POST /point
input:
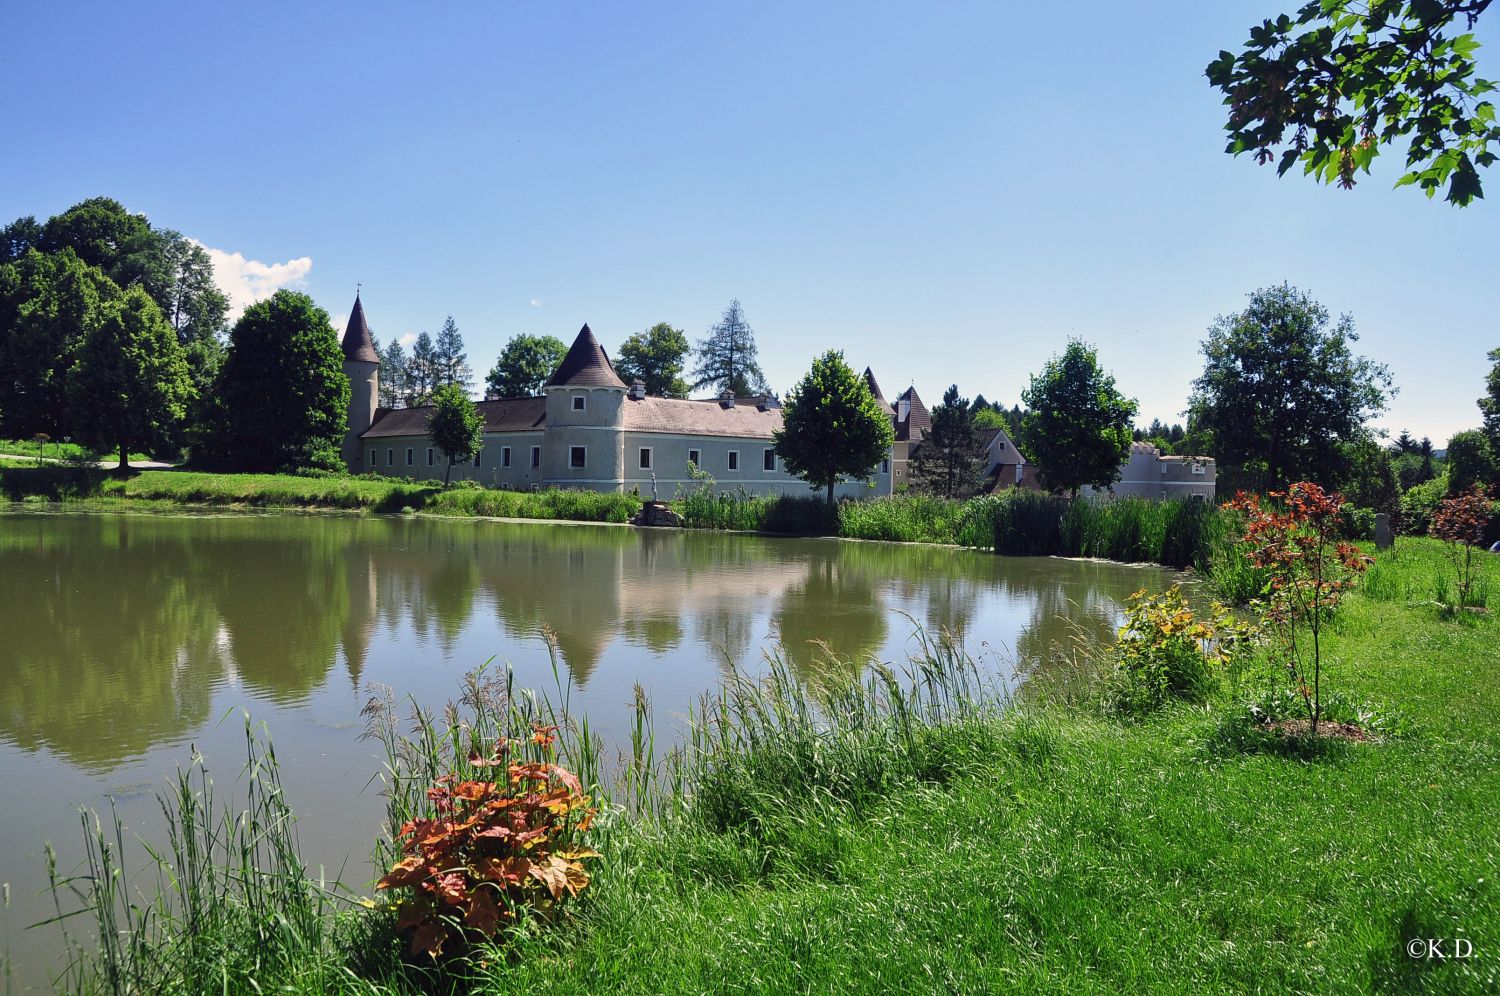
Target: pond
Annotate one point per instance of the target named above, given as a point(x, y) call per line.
point(127, 640)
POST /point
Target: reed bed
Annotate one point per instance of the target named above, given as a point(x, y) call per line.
point(225, 905)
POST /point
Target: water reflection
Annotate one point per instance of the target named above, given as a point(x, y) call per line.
point(118, 629)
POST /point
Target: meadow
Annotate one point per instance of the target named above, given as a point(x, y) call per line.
point(913, 830)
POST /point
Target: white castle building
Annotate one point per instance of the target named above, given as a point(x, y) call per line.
point(588, 430)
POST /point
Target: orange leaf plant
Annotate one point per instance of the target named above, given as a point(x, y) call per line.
point(491, 850)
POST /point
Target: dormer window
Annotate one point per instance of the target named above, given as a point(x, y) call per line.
point(578, 402)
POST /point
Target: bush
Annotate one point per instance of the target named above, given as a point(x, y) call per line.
point(1166, 652)
point(1420, 503)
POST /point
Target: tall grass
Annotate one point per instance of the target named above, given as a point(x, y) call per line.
point(578, 506)
point(226, 906)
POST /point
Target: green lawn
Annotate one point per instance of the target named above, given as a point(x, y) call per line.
point(59, 450)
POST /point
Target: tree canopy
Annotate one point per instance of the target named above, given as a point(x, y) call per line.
point(455, 425)
point(1471, 461)
point(524, 366)
point(1281, 390)
point(832, 426)
point(656, 357)
point(49, 304)
point(727, 356)
point(1078, 427)
point(284, 392)
point(1331, 84)
point(1489, 405)
point(949, 461)
point(129, 384)
point(393, 375)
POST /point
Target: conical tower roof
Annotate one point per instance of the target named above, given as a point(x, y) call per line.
point(585, 365)
point(875, 390)
point(358, 343)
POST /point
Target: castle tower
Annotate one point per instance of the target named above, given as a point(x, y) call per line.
point(584, 447)
point(362, 367)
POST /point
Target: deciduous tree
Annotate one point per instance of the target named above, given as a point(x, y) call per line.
point(1489, 405)
point(727, 356)
point(1281, 390)
point(524, 366)
point(455, 425)
point(285, 395)
point(1471, 461)
point(49, 303)
point(832, 426)
point(129, 385)
point(1332, 84)
point(1077, 428)
point(655, 357)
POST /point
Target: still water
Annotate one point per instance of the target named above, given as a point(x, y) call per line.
point(127, 639)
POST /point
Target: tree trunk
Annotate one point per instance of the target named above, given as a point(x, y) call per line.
point(124, 467)
point(447, 471)
point(830, 492)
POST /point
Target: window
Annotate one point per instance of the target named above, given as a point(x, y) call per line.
point(411, 457)
point(429, 456)
point(1000, 444)
point(578, 402)
point(645, 458)
point(770, 459)
point(505, 456)
point(695, 458)
point(885, 465)
point(734, 459)
point(536, 456)
point(578, 456)
point(373, 463)
point(390, 458)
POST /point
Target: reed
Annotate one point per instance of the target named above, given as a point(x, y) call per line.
point(227, 905)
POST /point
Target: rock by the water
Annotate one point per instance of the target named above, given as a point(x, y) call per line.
point(656, 513)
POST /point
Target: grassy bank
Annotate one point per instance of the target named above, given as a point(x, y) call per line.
point(915, 833)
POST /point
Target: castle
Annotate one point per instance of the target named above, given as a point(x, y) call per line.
point(591, 430)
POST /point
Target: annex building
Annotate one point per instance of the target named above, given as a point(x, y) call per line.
point(589, 429)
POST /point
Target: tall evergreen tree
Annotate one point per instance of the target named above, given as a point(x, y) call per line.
point(949, 462)
point(727, 356)
point(422, 371)
point(393, 375)
point(129, 385)
point(452, 363)
point(284, 391)
point(1489, 405)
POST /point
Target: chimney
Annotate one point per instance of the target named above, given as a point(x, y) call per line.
point(726, 398)
point(637, 389)
point(769, 402)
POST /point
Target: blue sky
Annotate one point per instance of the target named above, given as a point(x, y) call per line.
point(944, 191)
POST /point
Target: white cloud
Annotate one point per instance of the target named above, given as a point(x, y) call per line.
point(536, 302)
point(407, 339)
point(245, 281)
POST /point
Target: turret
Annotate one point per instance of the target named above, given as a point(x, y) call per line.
point(585, 402)
point(362, 367)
